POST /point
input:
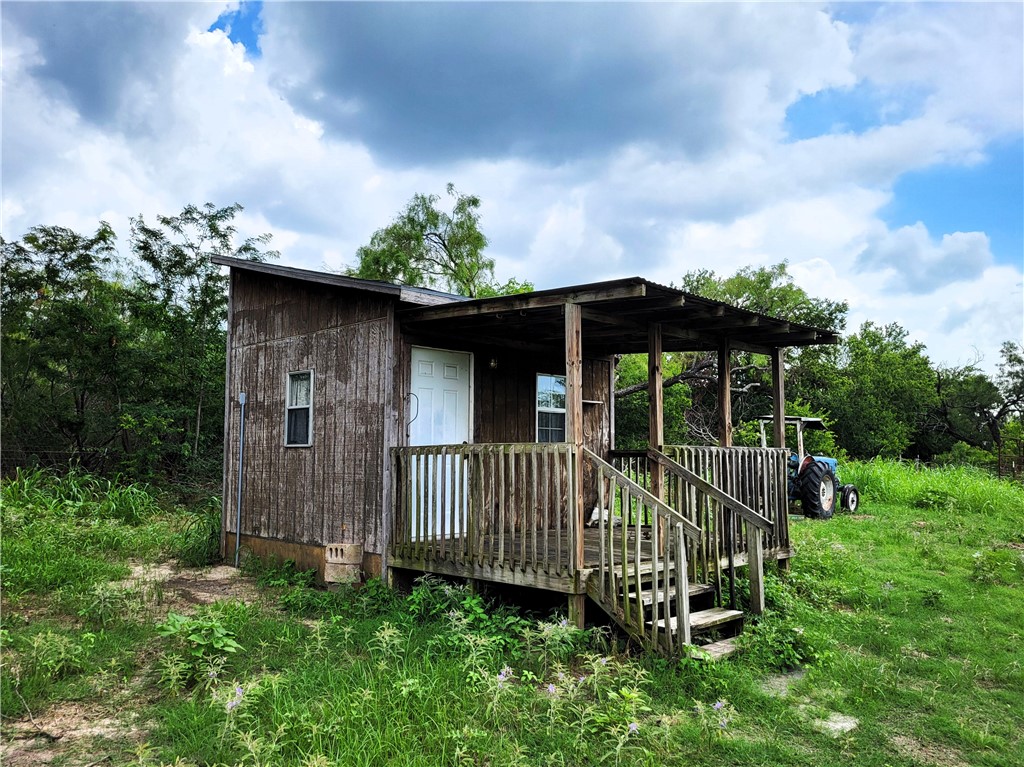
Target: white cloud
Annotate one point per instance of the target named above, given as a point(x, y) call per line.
point(915, 264)
point(213, 124)
point(966, 57)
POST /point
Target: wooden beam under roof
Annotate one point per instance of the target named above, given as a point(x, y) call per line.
point(656, 304)
point(596, 315)
point(611, 291)
point(725, 323)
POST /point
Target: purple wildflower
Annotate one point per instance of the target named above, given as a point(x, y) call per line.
point(633, 727)
point(233, 703)
point(604, 661)
point(552, 690)
point(719, 706)
point(564, 622)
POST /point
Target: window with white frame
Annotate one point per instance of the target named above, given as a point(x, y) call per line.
point(298, 424)
point(550, 408)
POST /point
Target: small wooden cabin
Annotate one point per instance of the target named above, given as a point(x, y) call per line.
point(426, 433)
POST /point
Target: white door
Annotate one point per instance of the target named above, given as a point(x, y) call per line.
point(440, 415)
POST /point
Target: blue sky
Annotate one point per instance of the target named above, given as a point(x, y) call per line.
point(987, 197)
point(242, 24)
point(878, 148)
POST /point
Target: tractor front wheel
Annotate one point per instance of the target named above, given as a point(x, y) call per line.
point(818, 491)
point(850, 497)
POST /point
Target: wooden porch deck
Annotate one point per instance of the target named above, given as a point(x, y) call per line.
point(673, 528)
point(515, 564)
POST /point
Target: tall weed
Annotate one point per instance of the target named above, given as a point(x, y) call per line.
point(198, 542)
point(959, 489)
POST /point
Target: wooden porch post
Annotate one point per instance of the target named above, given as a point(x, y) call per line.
point(656, 398)
point(574, 434)
point(779, 396)
point(779, 410)
point(725, 393)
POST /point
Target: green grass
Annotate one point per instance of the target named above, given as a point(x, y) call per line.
point(907, 616)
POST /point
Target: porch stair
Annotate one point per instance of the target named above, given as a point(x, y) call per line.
point(712, 629)
point(650, 579)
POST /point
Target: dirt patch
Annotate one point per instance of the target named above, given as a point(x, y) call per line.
point(926, 753)
point(201, 587)
point(71, 732)
point(179, 589)
point(779, 685)
point(77, 734)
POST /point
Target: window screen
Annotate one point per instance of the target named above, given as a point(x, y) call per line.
point(299, 417)
point(550, 408)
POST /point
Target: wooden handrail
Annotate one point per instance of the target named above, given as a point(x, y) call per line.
point(691, 530)
point(751, 516)
point(643, 556)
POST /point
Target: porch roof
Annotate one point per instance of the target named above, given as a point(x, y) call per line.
point(405, 293)
point(616, 318)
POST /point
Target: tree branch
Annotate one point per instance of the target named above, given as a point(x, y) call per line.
point(695, 373)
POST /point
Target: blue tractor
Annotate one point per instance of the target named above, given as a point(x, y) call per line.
point(813, 479)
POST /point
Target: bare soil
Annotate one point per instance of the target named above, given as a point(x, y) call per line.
point(86, 734)
point(927, 753)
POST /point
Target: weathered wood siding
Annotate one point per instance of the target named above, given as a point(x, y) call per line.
point(505, 399)
point(505, 403)
point(332, 491)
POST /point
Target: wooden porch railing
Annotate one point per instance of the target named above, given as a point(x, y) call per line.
point(736, 525)
point(504, 512)
point(755, 476)
point(497, 505)
point(642, 558)
point(734, 495)
point(752, 475)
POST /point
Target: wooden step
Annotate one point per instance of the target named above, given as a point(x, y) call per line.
point(693, 590)
point(721, 649)
point(703, 620)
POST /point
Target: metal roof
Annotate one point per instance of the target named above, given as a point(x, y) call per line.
point(616, 318)
point(616, 315)
point(405, 293)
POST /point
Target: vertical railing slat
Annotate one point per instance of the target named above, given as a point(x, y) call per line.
point(446, 508)
point(534, 510)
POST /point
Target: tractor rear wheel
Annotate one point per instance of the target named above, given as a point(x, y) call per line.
point(818, 491)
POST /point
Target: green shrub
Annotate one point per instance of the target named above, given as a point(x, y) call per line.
point(307, 601)
point(56, 655)
point(996, 566)
point(200, 647)
point(274, 572)
point(778, 643)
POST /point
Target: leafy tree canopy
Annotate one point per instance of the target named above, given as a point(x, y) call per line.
point(768, 290)
point(1011, 377)
point(119, 364)
point(878, 393)
point(432, 248)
